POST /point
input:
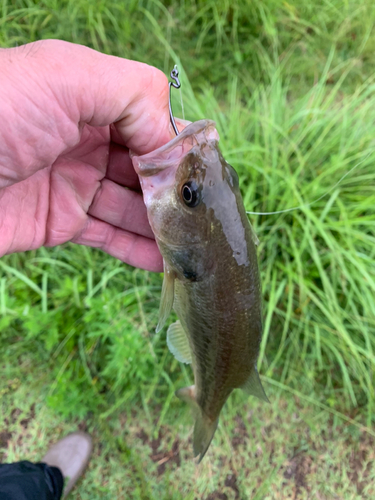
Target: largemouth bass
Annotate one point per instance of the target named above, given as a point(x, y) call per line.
point(211, 275)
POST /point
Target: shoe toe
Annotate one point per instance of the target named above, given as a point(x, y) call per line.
point(71, 455)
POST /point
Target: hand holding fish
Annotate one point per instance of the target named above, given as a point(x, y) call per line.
point(69, 116)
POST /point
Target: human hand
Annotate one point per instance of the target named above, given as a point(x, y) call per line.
point(69, 116)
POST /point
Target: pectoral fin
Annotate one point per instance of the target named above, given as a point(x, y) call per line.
point(253, 386)
point(178, 343)
point(167, 297)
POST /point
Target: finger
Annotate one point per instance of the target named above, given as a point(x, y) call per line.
point(121, 207)
point(59, 87)
point(23, 214)
point(131, 248)
point(99, 89)
point(120, 168)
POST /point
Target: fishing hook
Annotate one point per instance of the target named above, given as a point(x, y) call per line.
point(176, 84)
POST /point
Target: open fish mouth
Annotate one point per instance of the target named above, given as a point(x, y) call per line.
point(192, 135)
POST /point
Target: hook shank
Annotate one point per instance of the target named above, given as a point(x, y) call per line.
point(176, 84)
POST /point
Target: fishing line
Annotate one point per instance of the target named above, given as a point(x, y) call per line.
point(315, 201)
point(182, 103)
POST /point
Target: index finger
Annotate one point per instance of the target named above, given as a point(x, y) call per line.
point(101, 90)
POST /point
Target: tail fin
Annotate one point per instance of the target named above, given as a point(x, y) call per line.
point(204, 428)
point(204, 431)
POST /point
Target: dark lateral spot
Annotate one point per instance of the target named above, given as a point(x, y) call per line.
point(190, 275)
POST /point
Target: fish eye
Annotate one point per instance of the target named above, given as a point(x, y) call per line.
point(190, 194)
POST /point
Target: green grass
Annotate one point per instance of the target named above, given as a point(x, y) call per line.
point(290, 87)
point(137, 457)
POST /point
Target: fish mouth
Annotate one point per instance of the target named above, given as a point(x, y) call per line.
point(192, 135)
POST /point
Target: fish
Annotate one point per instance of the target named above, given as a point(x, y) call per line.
point(211, 276)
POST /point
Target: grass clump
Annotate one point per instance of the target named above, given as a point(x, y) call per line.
point(251, 457)
point(317, 261)
point(213, 39)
